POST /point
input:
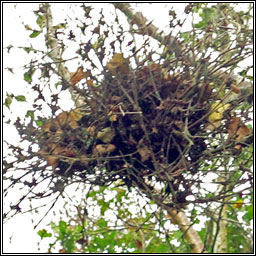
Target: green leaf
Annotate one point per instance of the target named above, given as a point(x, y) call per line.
point(60, 26)
point(120, 194)
point(249, 215)
point(40, 21)
point(20, 98)
point(34, 34)
point(78, 229)
point(177, 234)
point(30, 113)
point(200, 24)
point(92, 194)
point(70, 244)
point(57, 84)
point(197, 221)
point(27, 77)
point(63, 227)
point(202, 233)
point(39, 123)
point(103, 209)
point(162, 248)
point(185, 36)
point(102, 223)
point(207, 13)
point(27, 49)
point(43, 233)
point(8, 100)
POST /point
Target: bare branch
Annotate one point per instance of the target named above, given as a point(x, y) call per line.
point(148, 28)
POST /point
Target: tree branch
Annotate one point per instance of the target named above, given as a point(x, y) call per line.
point(147, 28)
point(56, 51)
point(185, 225)
point(220, 227)
point(178, 217)
point(53, 45)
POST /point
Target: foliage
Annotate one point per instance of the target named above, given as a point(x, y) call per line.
point(122, 233)
point(155, 121)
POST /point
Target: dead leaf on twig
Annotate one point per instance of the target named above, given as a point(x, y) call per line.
point(77, 76)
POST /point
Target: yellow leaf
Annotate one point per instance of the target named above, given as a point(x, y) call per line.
point(215, 116)
point(239, 203)
point(91, 130)
point(65, 118)
point(76, 114)
point(218, 110)
point(106, 135)
point(118, 64)
point(27, 27)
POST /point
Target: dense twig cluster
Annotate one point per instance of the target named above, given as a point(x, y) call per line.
point(136, 126)
point(161, 121)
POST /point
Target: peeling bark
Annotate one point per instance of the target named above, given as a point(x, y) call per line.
point(179, 218)
point(185, 225)
point(55, 53)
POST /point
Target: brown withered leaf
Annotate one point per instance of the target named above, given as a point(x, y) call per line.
point(54, 154)
point(138, 243)
point(144, 151)
point(77, 76)
point(235, 89)
point(242, 132)
point(237, 129)
point(52, 161)
point(63, 251)
point(103, 149)
point(237, 149)
point(155, 67)
point(84, 159)
point(233, 126)
point(64, 118)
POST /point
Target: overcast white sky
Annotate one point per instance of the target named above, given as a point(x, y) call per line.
point(24, 237)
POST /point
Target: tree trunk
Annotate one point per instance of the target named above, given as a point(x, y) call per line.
point(220, 226)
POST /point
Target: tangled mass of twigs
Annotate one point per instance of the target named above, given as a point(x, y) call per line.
point(139, 126)
point(163, 121)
